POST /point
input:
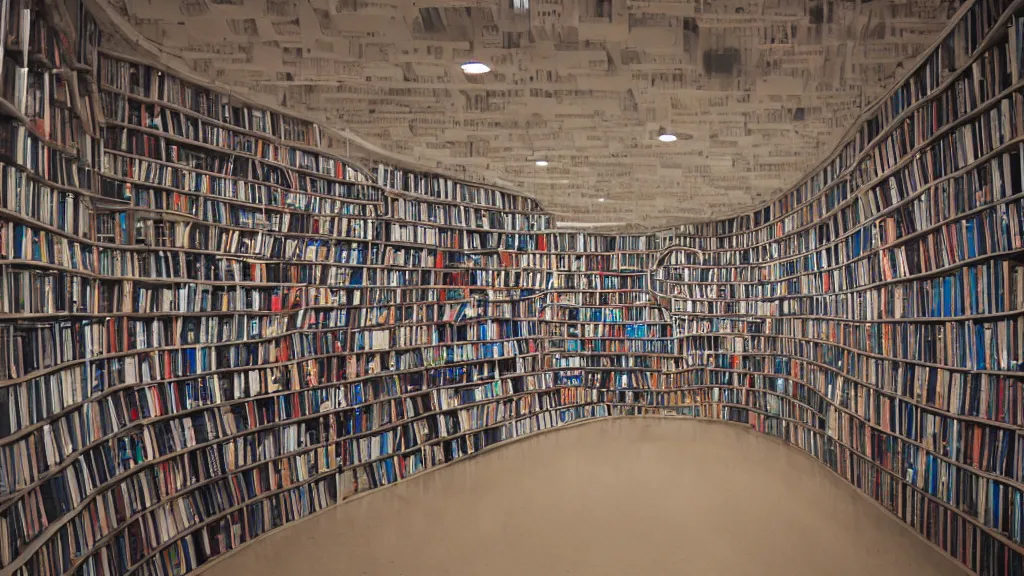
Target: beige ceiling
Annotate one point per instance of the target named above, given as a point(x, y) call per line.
point(758, 91)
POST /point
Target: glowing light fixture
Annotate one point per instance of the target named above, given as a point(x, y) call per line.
point(665, 135)
point(542, 163)
point(474, 67)
point(600, 199)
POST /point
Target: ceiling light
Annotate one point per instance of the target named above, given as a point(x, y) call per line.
point(474, 67)
point(665, 135)
point(600, 199)
point(542, 163)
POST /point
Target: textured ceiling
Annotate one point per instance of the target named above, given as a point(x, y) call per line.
point(758, 91)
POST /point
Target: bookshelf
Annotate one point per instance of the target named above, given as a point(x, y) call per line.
point(211, 328)
point(872, 315)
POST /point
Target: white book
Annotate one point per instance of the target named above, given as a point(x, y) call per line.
point(26, 26)
point(49, 445)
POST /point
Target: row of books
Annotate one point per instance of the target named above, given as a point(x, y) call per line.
point(53, 207)
point(994, 122)
point(130, 79)
point(992, 287)
point(233, 181)
point(609, 346)
point(25, 242)
point(603, 298)
point(994, 232)
point(45, 292)
point(614, 331)
point(141, 128)
point(826, 244)
point(482, 310)
point(38, 157)
point(338, 215)
point(981, 344)
point(429, 334)
point(858, 362)
point(605, 264)
point(907, 207)
point(445, 214)
point(87, 414)
point(443, 188)
point(462, 239)
point(994, 130)
point(989, 396)
point(976, 24)
point(612, 314)
point(617, 363)
point(266, 238)
point(174, 349)
point(209, 499)
point(144, 446)
point(45, 100)
point(390, 470)
point(852, 405)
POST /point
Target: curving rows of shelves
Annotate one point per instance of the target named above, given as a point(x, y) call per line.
point(210, 328)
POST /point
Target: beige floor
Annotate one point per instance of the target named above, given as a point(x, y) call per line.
point(616, 497)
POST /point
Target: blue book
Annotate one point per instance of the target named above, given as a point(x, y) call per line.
point(972, 248)
point(187, 556)
point(972, 279)
point(1017, 528)
point(932, 475)
point(37, 247)
point(979, 339)
point(947, 296)
point(993, 498)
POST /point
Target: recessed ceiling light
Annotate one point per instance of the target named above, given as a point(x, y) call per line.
point(600, 199)
point(542, 162)
point(474, 67)
point(665, 135)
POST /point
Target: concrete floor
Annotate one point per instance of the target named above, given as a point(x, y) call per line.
point(613, 497)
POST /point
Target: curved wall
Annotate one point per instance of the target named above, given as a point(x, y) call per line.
point(212, 328)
